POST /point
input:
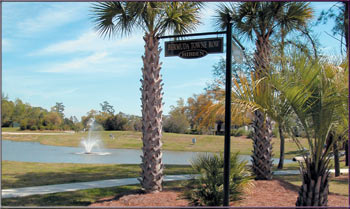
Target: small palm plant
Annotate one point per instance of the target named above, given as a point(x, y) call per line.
point(207, 189)
point(312, 92)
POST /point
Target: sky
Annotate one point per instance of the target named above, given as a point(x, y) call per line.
point(51, 53)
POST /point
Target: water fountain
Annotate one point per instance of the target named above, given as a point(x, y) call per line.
point(93, 140)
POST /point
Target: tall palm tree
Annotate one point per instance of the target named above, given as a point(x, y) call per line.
point(258, 21)
point(155, 19)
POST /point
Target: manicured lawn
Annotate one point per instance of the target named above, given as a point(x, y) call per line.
point(171, 141)
point(338, 186)
point(82, 197)
point(77, 198)
point(20, 174)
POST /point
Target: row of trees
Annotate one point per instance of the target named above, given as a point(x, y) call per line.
point(111, 121)
point(19, 114)
point(23, 115)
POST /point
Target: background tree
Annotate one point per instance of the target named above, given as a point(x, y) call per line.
point(340, 14)
point(258, 21)
point(7, 109)
point(195, 105)
point(59, 108)
point(107, 108)
point(52, 120)
point(177, 121)
point(154, 18)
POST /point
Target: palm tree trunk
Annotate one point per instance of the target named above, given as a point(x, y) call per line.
point(280, 163)
point(262, 148)
point(315, 186)
point(336, 158)
point(152, 167)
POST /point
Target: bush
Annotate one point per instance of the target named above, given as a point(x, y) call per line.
point(41, 128)
point(207, 189)
point(239, 132)
point(176, 123)
point(34, 128)
point(251, 134)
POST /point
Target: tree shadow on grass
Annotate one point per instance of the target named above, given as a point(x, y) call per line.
point(56, 199)
point(86, 174)
point(76, 198)
point(48, 178)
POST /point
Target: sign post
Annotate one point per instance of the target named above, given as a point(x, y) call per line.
point(189, 49)
point(227, 145)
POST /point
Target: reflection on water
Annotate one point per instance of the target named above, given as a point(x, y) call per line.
point(36, 152)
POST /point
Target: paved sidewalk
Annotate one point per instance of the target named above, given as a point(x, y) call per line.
point(26, 191)
point(293, 172)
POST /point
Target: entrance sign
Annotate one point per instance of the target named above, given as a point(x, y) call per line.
point(196, 48)
point(199, 48)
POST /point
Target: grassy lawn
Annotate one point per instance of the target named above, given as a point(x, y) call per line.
point(82, 197)
point(171, 141)
point(20, 174)
point(337, 185)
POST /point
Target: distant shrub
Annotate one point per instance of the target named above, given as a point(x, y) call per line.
point(207, 190)
point(275, 132)
point(239, 132)
point(251, 134)
point(176, 123)
point(34, 128)
point(41, 128)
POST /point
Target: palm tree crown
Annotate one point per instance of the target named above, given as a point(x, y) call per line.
point(157, 18)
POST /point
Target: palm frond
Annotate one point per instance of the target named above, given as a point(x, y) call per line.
point(113, 18)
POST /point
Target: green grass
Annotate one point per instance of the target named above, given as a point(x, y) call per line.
point(10, 129)
point(336, 185)
point(20, 174)
point(81, 197)
point(171, 141)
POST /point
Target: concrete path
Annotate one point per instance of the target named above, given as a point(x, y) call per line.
point(293, 172)
point(26, 191)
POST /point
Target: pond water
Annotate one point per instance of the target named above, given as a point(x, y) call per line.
point(36, 152)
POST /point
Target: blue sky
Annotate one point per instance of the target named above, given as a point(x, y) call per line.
point(51, 53)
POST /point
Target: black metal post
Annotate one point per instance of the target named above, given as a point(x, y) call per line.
point(228, 111)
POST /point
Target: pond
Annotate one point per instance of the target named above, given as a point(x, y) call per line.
point(36, 152)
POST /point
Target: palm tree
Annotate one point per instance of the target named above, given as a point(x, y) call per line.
point(155, 19)
point(258, 21)
point(311, 91)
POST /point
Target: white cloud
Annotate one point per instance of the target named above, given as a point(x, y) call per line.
point(97, 62)
point(91, 42)
point(51, 17)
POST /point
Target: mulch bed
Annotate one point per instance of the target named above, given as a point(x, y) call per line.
point(263, 193)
